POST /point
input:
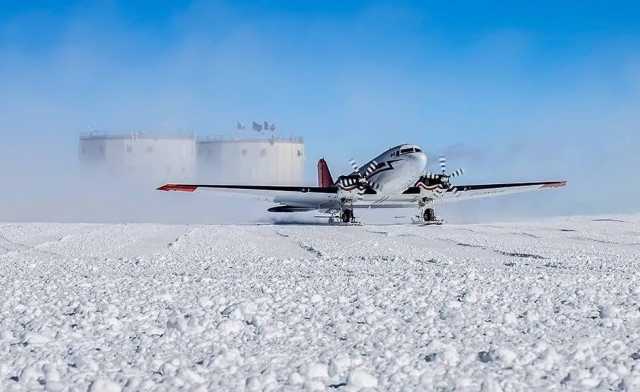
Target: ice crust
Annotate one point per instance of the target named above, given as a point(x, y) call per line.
point(553, 304)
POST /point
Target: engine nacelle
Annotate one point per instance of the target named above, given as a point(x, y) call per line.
point(352, 183)
point(432, 185)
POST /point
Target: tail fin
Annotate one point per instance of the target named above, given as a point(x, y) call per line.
point(324, 176)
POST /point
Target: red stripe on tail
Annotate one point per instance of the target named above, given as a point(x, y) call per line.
point(324, 175)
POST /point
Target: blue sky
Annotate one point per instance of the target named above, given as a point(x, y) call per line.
point(509, 90)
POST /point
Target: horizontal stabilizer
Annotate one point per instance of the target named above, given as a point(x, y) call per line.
point(178, 188)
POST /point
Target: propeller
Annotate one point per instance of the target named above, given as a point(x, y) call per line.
point(357, 177)
point(444, 178)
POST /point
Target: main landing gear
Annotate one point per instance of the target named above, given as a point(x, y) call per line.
point(427, 215)
point(344, 216)
point(347, 216)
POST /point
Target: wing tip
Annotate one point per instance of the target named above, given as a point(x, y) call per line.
point(555, 184)
point(177, 188)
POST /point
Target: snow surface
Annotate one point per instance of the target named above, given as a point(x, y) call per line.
point(552, 304)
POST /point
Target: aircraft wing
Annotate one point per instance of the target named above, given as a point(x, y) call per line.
point(304, 198)
point(291, 198)
point(467, 192)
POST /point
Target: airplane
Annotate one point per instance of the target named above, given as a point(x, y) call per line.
point(397, 178)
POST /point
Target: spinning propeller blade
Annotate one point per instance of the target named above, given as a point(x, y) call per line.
point(443, 164)
point(353, 164)
point(457, 173)
point(444, 178)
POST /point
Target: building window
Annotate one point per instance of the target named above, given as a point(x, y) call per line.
point(299, 153)
point(244, 152)
point(129, 148)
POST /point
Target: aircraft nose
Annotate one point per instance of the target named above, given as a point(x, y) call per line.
point(420, 159)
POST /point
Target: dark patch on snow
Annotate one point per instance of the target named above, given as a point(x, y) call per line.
point(527, 235)
point(485, 356)
point(229, 309)
point(465, 229)
point(607, 242)
point(635, 356)
point(378, 232)
point(609, 220)
point(559, 266)
point(430, 357)
point(407, 235)
point(366, 259)
point(518, 254)
point(310, 249)
point(470, 245)
point(568, 230)
point(282, 234)
point(510, 264)
point(596, 240)
point(338, 385)
point(14, 378)
point(504, 253)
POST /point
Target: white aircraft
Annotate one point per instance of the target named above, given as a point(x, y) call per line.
point(397, 178)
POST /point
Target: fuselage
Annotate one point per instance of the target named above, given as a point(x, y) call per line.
point(396, 169)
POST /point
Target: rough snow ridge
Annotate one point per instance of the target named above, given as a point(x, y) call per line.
point(544, 305)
